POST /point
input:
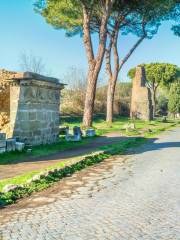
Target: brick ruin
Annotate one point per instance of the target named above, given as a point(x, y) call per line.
point(5, 100)
point(141, 101)
point(29, 107)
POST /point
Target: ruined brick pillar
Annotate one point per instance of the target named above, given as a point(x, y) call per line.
point(141, 102)
point(34, 108)
point(5, 100)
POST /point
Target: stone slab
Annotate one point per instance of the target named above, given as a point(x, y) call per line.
point(2, 150)
point(90, 133)
point(20, 146)
point(10, 144)
point(2, 136)
point(2, 143)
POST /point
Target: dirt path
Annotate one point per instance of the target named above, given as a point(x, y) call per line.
point(31, 164)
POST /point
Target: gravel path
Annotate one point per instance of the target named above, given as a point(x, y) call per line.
point(133, 197)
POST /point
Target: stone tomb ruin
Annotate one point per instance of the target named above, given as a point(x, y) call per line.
point(5, 100)
point(30, 103)
point(141, 101)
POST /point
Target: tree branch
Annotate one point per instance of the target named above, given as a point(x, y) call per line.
point(115, 49)
point(108, 56)
point(124, 60)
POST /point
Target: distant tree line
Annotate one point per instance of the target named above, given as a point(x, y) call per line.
point(73, 96)
point(162, 79)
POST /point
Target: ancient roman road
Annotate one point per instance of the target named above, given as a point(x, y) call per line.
point(135, 197)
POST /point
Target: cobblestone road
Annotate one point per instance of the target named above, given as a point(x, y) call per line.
point(124, 198)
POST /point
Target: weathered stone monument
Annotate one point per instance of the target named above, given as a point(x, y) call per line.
point(33, 108)
point(141, 103)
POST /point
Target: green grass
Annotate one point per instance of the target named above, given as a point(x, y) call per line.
point(101, 128)
point(17, 180)
point(76, 164)
point(62, 170)
point(22, 179)
point(42, 150)
point(121, 148)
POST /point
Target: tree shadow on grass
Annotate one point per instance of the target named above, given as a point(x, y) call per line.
point(73, 150)
point(95, 145)
point(128, 145)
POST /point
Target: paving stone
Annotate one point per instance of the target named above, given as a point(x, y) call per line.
point(141, 206)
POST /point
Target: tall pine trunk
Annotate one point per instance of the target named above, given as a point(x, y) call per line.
point(113, 75)
point(154, 102)
point(90, 96)
point(94, 63)
point(110, 99)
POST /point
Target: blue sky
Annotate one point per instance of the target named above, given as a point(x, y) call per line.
point(22, 30)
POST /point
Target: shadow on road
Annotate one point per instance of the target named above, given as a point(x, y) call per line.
point(155, 146)
point(35, 163)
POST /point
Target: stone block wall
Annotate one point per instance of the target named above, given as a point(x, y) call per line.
point(29, 107)
point(141, 101)
point(34, 108)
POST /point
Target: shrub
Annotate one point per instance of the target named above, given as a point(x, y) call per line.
point(174, 98)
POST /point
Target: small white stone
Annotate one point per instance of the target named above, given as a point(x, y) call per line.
point(20, 146)
point(29, 181)
point(90, 133)
point(10, 187)
point(36, 178)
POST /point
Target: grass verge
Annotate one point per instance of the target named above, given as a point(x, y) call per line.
point(142, 128)
point(60, 171)
point(41, 150)
point(66, 168)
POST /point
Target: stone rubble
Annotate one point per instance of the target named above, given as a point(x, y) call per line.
point(2, 142)
point(19, 146)
point(10, 187)
point(129, 127)
point(10, 144)
point(90, 133)
point(5, 100)
point(78, 133)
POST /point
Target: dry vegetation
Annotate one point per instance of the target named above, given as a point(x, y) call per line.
point(74, 94)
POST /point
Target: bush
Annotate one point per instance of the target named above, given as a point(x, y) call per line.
point(174, 98)
point(162, 105)
point(73, 100)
